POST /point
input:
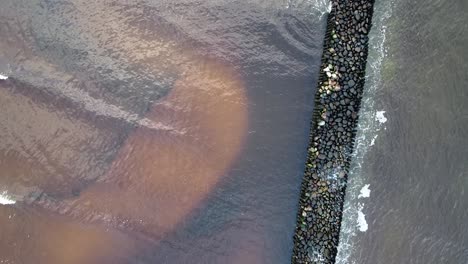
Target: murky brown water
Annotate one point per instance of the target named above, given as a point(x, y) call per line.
point(154, 131)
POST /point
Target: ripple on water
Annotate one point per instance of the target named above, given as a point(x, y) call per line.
point(121, 121)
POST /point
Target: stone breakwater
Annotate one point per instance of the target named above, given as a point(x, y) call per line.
point(334, 123)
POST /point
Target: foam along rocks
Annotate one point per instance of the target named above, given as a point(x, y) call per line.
point(5, 199)
point(361, 220)
point(3, 77)
point(379, 116)
point(362, 224)
point(337, 102)
point(365, 192)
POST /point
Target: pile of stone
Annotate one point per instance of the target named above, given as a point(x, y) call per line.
point(334, 124)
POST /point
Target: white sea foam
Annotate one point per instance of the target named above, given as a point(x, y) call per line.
point(361, 222)
point(3, 76)
point(365, 192)
point(361, 217)
point(5, 199)
point(379, 116)
point(354, 220)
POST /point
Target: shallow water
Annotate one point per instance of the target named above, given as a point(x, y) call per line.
point(415, 158)
point(154, 131)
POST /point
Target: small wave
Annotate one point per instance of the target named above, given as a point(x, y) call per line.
point(96, 106)
point(4, 75)
point(6, 199)
point(373, 141)
point(323, 7)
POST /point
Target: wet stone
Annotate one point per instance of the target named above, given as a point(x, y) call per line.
point(340, 92)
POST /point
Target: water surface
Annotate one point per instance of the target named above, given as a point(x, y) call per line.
point(154, 131)
point(412, 148)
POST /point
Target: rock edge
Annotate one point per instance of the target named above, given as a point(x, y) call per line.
point(333, 130)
